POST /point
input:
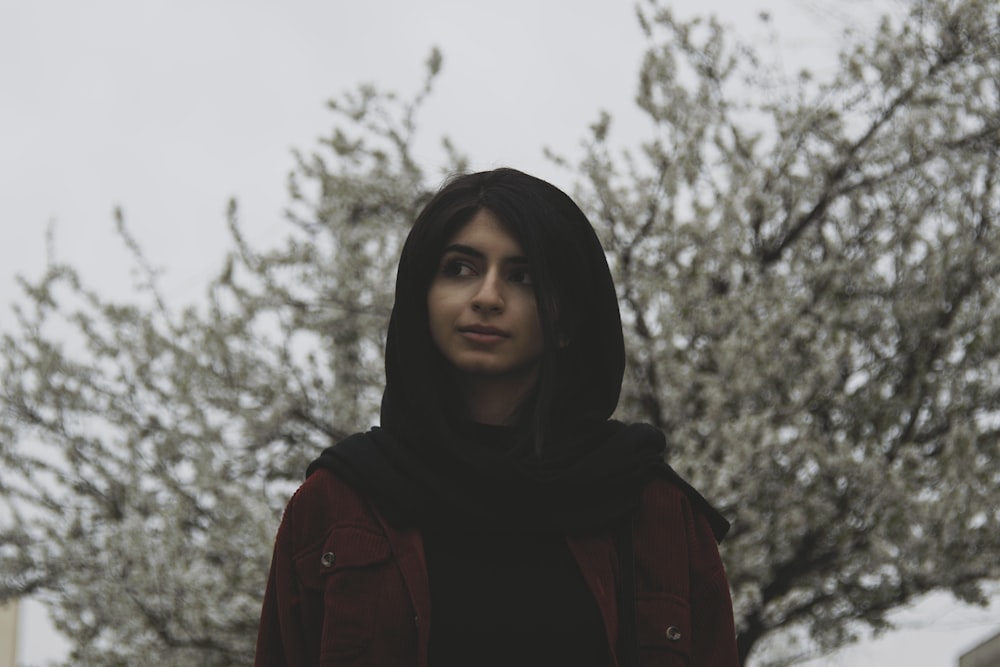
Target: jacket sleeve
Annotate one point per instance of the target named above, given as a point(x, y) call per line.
point(714, 636)
point(685, 608)
point(281, 634)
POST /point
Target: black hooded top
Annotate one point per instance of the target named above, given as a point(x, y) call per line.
point(494, 502)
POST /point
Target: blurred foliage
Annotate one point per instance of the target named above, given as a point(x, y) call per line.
point(808, 274)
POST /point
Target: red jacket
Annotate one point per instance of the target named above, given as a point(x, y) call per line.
point(347, 588)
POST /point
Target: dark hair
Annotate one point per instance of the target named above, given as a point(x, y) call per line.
point(583, 359)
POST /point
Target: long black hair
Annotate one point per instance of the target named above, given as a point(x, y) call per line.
point(583, 361)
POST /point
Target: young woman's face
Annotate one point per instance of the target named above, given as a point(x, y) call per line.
point(481, 304)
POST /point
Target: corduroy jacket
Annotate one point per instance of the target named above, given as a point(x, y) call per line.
point(347, 588)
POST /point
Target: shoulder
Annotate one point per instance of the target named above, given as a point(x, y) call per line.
point(663, 490)
point(322, 503)
point(321, 489)
point(321, 485)
point(674, 522)
point(666, 488)
point(665, 511)
point(675, 542)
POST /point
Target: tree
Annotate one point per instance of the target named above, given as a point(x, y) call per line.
point(813, 314)
point(146, 460)
point(807, 274)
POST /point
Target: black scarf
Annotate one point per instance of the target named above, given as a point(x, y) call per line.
point(495, 487)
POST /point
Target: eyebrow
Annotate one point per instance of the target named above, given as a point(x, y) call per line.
point(472, 252)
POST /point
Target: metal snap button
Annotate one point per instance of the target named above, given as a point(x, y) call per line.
point(328, 559)
point(673, 634)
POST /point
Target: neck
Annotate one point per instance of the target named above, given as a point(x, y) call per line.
point(495, 400)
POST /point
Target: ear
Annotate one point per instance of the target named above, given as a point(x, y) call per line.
point(565, 329)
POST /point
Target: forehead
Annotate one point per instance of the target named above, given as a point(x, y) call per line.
point(486, 234)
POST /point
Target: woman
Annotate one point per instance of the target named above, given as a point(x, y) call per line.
point(498, 516)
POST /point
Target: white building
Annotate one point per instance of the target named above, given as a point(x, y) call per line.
point(986, 654)
point(8, 634)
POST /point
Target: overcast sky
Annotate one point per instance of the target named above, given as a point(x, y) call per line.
point(170, 107)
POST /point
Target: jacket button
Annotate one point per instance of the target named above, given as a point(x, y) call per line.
point(328, 559)
point(673, 634)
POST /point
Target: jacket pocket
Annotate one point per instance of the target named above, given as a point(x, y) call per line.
point(664, 630)
point(351, 570)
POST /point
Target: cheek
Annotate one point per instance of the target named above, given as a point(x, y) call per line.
point(535, 330)
point(434, 301)
point(439, 316)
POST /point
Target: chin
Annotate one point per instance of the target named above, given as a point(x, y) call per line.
point(489, 368)
point(484, 369)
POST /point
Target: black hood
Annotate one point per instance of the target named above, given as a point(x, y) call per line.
point(584, 359)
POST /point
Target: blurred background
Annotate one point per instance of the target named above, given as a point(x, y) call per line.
point(167, 110)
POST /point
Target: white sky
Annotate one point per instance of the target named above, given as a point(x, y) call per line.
point(170, 107)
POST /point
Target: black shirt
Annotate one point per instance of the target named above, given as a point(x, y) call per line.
point(510, 599)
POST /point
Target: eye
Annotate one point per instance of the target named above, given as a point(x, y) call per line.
point(521, 276)
point(453, 268)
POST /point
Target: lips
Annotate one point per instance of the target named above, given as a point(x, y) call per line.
point(480, 334)
point(484, 331)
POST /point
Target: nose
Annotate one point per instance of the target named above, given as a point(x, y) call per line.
point(489, 297)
